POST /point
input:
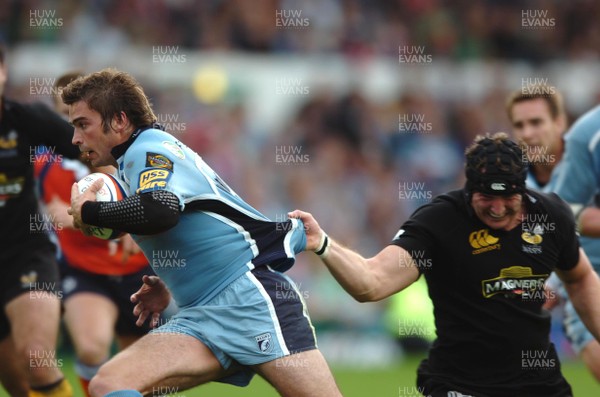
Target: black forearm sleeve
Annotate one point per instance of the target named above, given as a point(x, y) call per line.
point(146, 213)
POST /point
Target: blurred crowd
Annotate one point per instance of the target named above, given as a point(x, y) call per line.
point(360, 166)
point(533, 30)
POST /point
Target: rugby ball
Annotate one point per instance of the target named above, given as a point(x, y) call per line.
point(112, 190)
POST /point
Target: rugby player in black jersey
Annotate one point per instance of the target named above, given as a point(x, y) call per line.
point(29, 277)
point(485, 252)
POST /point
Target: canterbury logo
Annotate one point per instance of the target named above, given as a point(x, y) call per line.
point(481, 239)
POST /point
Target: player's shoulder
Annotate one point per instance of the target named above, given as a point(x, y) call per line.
point(443, 208)
point(21, 111)
point(550, 203)
point(585, 126)
point(455, 199)
point(159, 147)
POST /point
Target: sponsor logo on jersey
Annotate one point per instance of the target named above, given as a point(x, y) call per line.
point(514, 281)
point(10, 187)
point(9, 141)
point(174, 148)
point(483, 241)
point(28, 279)
point(533, 239)
point(155, 160)
point(153, 179)
point(264, 342)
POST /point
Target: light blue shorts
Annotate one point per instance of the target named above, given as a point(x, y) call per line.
point(259, 317)
point(575, 330)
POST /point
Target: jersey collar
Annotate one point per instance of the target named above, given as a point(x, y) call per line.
point(120, 149)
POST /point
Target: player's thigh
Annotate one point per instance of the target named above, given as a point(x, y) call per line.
point(30, 286)
point(124, 341)
point(90, 319)
point(12, 375)
point(34, 320)
point(157, 357)
point(304, 374)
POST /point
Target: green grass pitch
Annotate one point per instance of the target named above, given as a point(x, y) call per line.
point(389, 382)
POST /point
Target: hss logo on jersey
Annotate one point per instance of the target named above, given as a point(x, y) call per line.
point(153, 179)
point(483, 241)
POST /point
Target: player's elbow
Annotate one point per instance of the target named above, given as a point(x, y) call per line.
point(368, 296)
point(161, 211)
point(159, 222)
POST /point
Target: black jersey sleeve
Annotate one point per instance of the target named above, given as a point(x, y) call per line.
point(420, 233)
point(144, 214)
point(48, 128)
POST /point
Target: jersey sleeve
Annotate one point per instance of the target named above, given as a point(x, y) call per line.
point(417, 235)
point(157, 162)
point(149, 168)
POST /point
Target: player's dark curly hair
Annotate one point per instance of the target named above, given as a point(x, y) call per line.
point(495, 165)
point(110, 92)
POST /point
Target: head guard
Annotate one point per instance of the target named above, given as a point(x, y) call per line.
point(496, 166)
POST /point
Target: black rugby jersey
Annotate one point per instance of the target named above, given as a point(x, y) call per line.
point(487, 290)
point(24, 128)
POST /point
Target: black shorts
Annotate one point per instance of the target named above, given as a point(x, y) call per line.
point(116, 288)
point(29, 268)
point(431, 386)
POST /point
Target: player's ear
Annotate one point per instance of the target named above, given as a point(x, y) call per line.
point(120, 122)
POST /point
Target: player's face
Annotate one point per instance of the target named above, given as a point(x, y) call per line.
point(498, 212)
point(93, 142)
point(533, 123)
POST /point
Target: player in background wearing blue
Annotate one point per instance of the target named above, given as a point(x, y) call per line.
point(538, 118)
point(221, 259)
point(577, 181)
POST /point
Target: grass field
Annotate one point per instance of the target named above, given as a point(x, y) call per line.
point(359, 383)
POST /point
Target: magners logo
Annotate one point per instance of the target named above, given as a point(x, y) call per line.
point(514, 281)
point(483, 241)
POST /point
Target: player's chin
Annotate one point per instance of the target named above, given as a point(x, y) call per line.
point(496, 223)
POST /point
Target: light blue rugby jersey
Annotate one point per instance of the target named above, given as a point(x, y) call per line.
point(219, 236)
point(578, 178)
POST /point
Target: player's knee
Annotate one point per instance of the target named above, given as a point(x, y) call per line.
point(92, 353)
point(34, 348)
point(100, 385)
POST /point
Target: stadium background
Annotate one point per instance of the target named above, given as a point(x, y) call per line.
point(357, 111)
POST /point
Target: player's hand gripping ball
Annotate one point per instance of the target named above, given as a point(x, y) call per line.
point(112, 190)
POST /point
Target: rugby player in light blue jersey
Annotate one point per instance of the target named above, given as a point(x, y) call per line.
point(221, 259)
point(577, 181)
point(538, 118)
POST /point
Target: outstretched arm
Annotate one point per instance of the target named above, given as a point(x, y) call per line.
point(372, 279)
